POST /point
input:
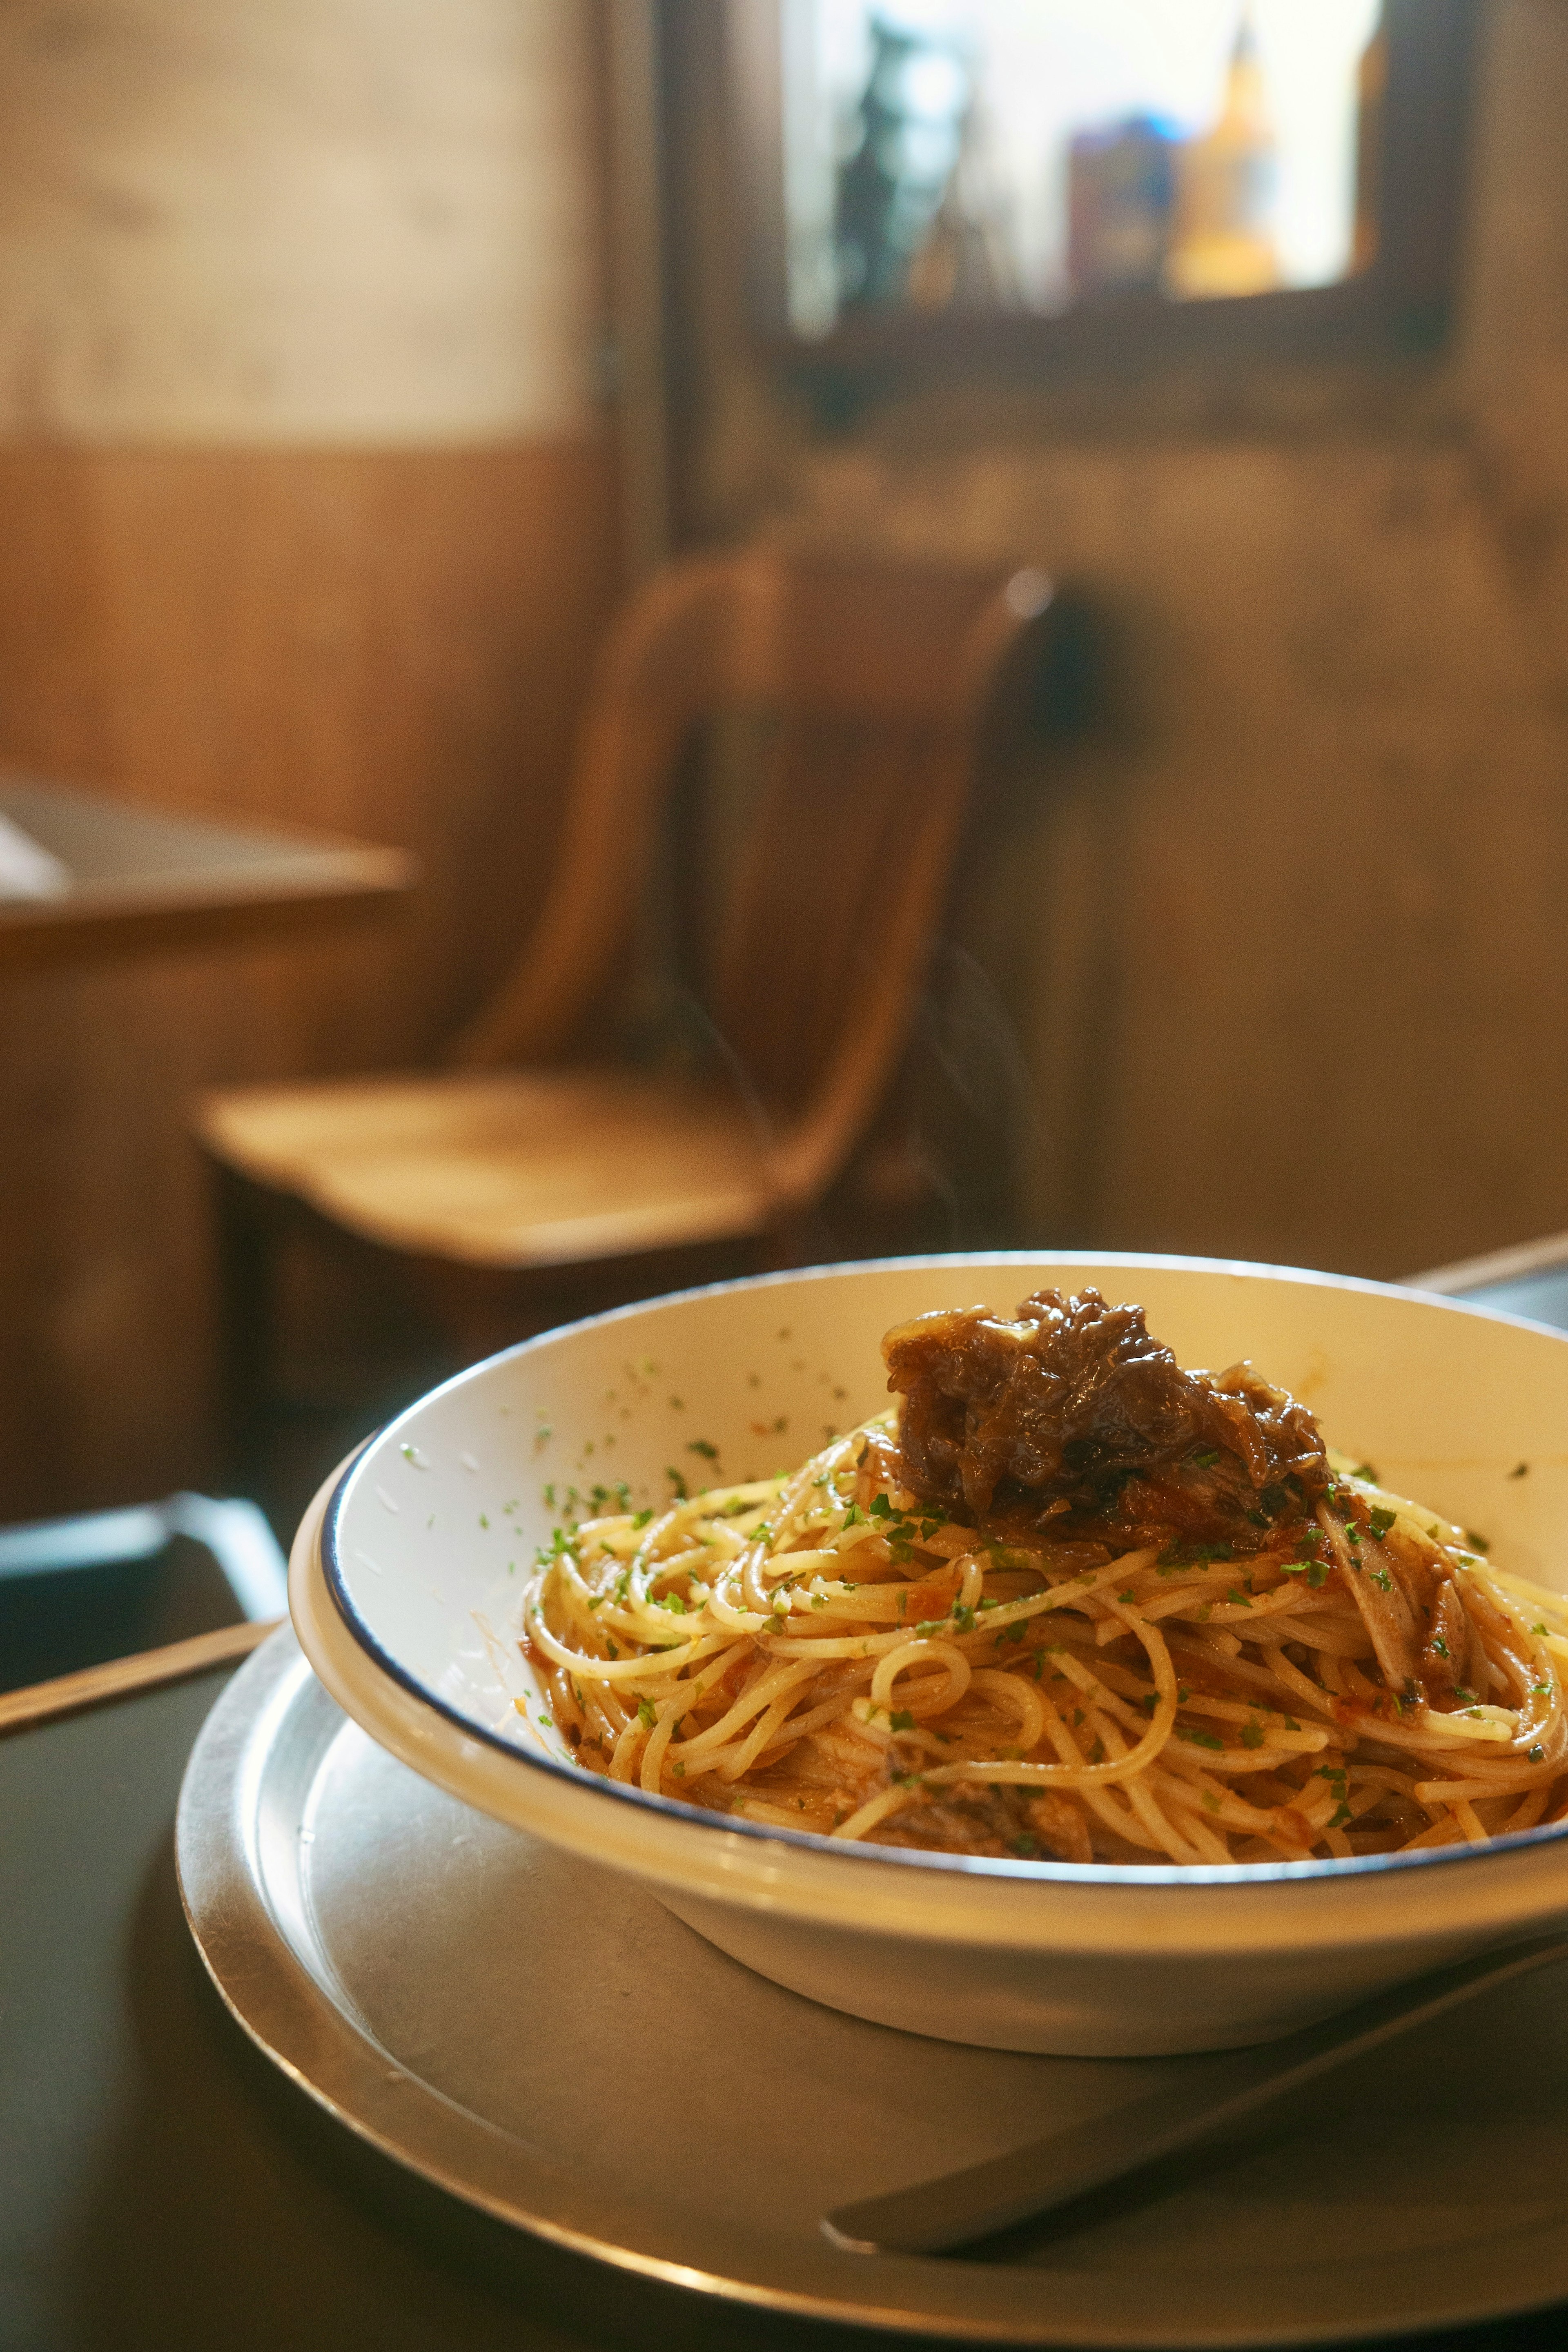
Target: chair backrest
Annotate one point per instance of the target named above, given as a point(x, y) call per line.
point(875, 680)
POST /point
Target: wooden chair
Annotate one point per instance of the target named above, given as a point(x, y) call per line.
point(574, 1177)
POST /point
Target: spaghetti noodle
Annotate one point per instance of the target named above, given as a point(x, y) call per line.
point(1071, 1602)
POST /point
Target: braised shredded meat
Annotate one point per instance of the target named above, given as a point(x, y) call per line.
point(1071, 1416)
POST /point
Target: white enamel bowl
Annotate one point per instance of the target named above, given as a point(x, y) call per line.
point(403, 1587)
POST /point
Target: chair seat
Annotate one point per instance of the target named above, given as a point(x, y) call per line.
point(505, 1168)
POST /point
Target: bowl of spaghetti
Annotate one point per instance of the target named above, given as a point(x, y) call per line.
point(1111, 1656)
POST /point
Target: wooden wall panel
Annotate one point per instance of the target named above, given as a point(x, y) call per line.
point(389, 644)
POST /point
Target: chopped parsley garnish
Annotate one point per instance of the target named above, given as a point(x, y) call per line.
point(1315, 1571)
point(1194, 1555)
point(1381, 1521)
point(1200, 1738)
point(902, 1721)
point(646, 1714)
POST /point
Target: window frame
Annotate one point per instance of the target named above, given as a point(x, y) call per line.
point(1401, 306)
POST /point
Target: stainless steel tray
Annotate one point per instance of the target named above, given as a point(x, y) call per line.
point(545, 2042)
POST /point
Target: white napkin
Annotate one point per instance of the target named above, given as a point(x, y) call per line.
point(27, 871)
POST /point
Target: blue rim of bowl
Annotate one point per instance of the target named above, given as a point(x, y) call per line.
point(1067, 1874)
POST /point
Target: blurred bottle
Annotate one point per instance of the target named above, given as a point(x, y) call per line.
point(903, 156)
point(1225, 184)
point(1121, 190)
point(966, 262)
point(1372, 89)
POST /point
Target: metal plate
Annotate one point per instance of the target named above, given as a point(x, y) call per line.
point(545, 2042)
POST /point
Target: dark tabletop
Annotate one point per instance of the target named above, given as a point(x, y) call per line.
point(162, 2188)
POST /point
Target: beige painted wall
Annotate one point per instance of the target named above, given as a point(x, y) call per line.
point(1288, 948)
point(343, 220)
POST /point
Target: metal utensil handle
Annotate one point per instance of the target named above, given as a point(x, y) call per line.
point(934, 2216)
